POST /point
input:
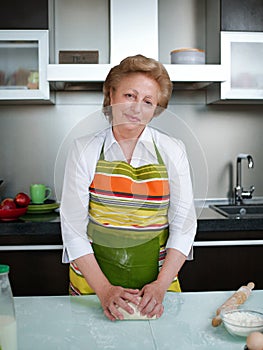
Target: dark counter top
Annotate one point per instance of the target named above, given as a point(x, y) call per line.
point(30, 229)
point(209, 220)
point(45, 228)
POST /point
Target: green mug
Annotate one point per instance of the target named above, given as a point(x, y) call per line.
point(39, 193)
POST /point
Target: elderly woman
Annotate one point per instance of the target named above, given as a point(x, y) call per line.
point(127, 214)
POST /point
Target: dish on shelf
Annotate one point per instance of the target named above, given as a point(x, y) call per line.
point(48, 206)
point(12, 214)
point(34, 217)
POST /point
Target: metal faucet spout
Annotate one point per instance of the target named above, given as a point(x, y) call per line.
point(240, 194)
point(250, 161)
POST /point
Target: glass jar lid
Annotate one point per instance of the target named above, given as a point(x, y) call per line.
point(4, 269)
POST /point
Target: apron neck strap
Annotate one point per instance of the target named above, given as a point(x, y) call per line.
point(159, 157)
point(102, 152)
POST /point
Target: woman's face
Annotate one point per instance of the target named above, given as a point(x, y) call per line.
point(134, 102)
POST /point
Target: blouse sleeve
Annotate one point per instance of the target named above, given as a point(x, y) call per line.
point(79, 172)
point(181, 213)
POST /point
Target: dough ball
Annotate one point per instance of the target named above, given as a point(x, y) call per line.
point(136, 315)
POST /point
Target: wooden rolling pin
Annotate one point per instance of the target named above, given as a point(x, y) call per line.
point(238, 298)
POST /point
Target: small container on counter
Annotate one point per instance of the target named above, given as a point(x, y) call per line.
point(8, 336)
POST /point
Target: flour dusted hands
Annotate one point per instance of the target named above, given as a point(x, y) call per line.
point(153, 293)
point(152, 297)
point(114, 297)
point(111, 297)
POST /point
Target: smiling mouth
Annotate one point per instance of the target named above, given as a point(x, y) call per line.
point(132, 118)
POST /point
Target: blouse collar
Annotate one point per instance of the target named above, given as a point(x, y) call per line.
point(145, 139)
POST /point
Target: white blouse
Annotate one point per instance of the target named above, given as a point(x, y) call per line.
point(79, 173)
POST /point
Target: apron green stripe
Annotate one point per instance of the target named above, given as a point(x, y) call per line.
point(124, 169)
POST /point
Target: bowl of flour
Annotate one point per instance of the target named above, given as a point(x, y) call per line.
point(242, 322)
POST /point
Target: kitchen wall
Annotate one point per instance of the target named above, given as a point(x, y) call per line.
point(31, 135)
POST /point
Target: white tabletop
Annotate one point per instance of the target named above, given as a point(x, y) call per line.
point(67, 323)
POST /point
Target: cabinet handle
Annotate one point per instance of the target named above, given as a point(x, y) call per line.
point(30, 247)
point(228, 243)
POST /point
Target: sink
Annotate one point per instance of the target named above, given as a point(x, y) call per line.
point(239, 211)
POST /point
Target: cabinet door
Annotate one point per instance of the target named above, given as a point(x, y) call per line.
point(218, 268)
point(242, 56)
point(36, 272)
point(242, 15)
point(25, 14)
point(23, 65)
point(138, 21)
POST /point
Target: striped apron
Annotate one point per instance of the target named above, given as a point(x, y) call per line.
point(128, 225)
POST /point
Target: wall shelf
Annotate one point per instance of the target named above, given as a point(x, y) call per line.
point(77, 72)
point(199, 75)
point(196, 72)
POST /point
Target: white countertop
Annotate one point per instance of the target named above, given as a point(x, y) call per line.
point(67, 323)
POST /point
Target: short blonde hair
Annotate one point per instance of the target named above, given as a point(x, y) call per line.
point(139, 64)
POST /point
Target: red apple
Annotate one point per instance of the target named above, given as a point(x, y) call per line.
point(7, 204)
point(22, 199)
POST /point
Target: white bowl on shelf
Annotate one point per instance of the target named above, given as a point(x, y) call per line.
point(187, 56)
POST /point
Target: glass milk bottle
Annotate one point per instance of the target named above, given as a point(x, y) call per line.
point(8, 337)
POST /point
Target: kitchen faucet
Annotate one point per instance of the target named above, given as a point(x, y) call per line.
point(240, 193)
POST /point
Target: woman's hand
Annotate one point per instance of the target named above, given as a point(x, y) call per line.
point(113, 297)
point(152, 297)
point(153, 293)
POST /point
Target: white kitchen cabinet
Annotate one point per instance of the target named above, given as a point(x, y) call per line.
point(132, 28)
point(242, 56)
point(24, 56)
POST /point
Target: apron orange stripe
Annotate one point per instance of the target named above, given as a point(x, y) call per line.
point(120, 184)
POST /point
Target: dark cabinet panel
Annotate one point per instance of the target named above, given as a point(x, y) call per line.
point(213, 269)
point(24, 14)
point(36, 272)
point(223, 268)
point(242, 15)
